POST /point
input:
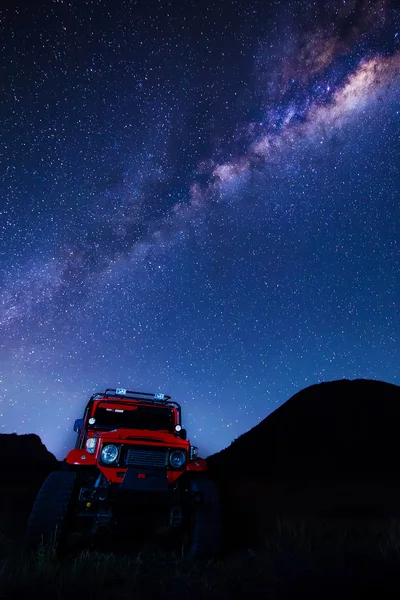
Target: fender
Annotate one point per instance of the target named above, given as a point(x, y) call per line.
point(80, 457)
point(197, 464)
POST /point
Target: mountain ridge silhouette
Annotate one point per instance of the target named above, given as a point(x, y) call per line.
point(312, 430)
point(331, 450)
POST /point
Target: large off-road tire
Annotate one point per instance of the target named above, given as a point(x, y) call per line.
point(49, 515)
point(203, 535)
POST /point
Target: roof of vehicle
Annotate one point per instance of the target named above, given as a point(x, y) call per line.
point(118, 395)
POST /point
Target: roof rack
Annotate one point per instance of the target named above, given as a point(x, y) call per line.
point(123, 393)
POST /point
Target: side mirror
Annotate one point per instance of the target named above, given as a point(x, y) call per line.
point(183, 434)
point(78, 425)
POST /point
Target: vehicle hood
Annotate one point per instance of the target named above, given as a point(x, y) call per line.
point(142, 436)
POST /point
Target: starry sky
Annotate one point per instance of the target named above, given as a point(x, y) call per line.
point(197, 198)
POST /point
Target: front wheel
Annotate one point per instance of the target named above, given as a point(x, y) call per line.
point(48, 518)
point(203, 536)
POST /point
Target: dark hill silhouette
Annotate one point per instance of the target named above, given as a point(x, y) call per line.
point(336, 427)
point(25, 462)
point(23, 450)
point(332, 448)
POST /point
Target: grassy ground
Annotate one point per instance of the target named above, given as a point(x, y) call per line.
point(310, 557)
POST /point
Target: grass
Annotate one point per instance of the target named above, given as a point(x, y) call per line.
point(297, 556)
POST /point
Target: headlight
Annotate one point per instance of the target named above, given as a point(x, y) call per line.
point(109, 454)
point(91, 445)
point(194, 451)
point(177, 459)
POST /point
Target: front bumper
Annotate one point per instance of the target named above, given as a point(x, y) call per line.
point(144, 480)
point(139, 486)
point(143, 499)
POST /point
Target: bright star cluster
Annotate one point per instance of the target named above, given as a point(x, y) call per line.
point(197, 199)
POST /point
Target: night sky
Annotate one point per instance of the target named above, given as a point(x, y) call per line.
point(197, 198)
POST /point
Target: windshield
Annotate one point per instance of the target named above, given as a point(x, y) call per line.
point(141, 417)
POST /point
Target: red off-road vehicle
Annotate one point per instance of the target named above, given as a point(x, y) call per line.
point(132, 467)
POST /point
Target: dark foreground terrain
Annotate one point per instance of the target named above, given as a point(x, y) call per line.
point(311, 506)
point(310, 558)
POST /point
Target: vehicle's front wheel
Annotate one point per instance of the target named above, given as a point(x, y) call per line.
point(203, 535)
point(50, 511)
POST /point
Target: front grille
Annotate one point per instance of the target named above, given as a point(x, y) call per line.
point(139, 457)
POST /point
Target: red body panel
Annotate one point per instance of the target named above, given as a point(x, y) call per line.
point(140, 436)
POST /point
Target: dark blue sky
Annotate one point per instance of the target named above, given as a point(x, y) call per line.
point(200, 199)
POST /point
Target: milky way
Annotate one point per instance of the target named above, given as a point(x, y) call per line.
point(217, 221)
